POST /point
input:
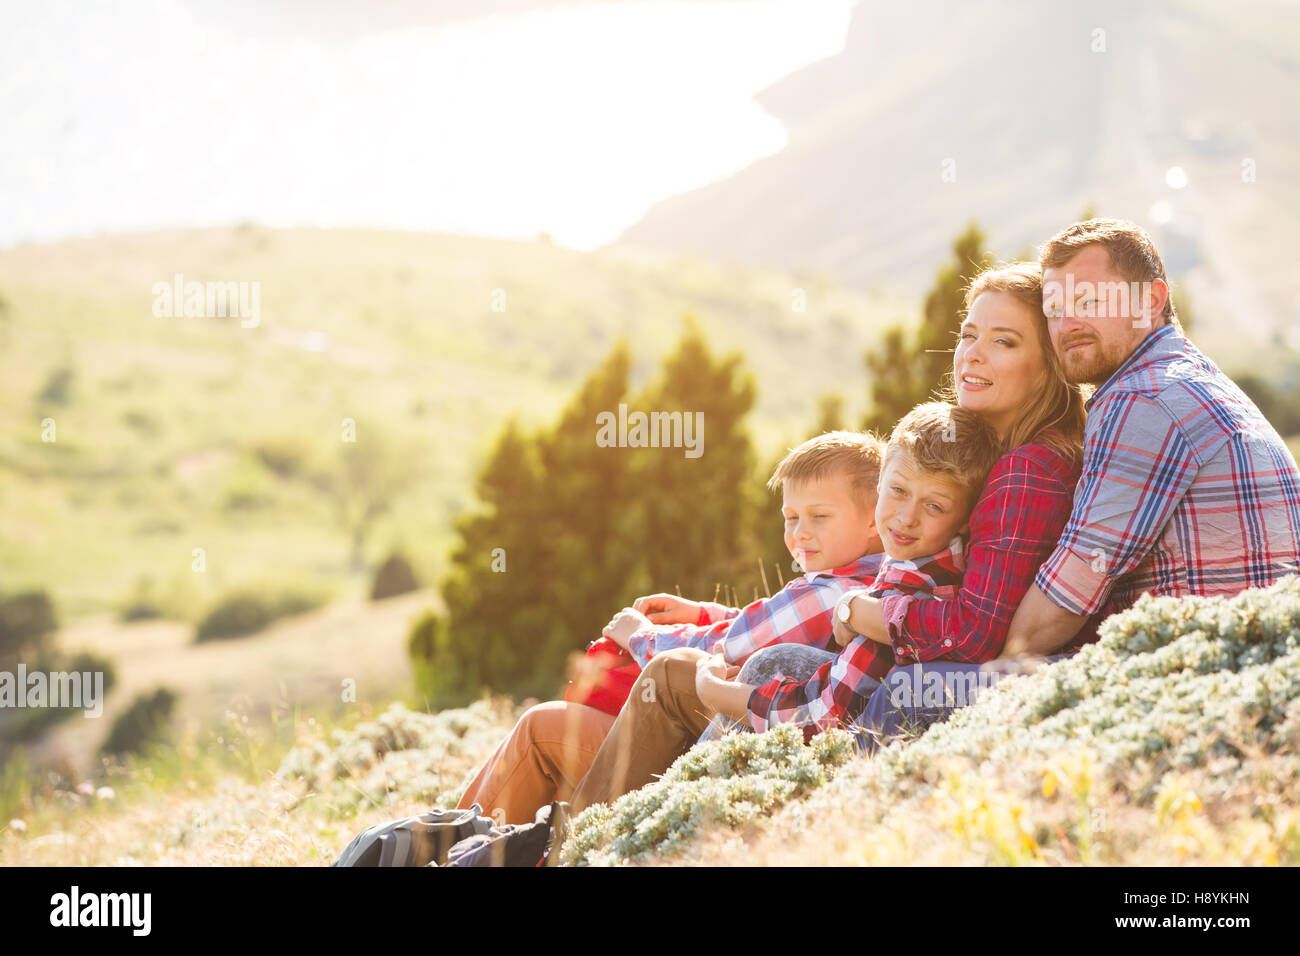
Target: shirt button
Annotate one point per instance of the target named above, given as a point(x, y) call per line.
point(947, 643)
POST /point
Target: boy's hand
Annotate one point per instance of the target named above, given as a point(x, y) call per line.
point(714, 667)
point(623, 625)
point(668, 609)
point(716, 689)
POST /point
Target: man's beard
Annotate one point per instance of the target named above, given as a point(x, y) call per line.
point(1091, 370)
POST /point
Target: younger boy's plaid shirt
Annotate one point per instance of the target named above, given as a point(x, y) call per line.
point(799, 613)
point(838, 691)
point(1186, 488)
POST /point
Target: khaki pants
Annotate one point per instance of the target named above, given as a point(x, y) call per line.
point(661, 720)
point(543, 759)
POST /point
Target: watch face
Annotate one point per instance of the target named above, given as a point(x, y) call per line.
point(844, 612)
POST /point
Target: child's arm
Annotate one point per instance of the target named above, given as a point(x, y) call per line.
point(716, 689)
point(671, 609)
point(800, 613)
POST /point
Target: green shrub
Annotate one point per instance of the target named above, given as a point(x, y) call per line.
point(394, 576)
point(32, 723)
point(141, 604)
point(287, 456)
point(58, 386)
point(142, 725)
point(25, 619)
point(247, 488)
point(731, 781)
point(401, 755)
point(249, 610)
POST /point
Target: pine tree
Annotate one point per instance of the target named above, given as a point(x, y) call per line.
point(696, 536)
point(545, 562)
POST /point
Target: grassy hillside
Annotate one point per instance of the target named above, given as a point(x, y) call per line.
point(1170, 741)
point(183, 433)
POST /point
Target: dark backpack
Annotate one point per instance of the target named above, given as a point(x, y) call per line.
point(421, 840)
point(528, 844)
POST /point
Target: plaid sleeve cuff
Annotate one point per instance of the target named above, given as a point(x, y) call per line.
point(894, 608)
point(712, 612)
point(1075, 583)
point(760, 703)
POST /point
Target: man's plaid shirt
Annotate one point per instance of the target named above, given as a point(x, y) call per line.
point(1186, 488)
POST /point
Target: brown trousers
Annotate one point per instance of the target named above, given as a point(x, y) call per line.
point(661, 720)
point(542, 760)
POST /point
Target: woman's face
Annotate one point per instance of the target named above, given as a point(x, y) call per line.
point(998, 365)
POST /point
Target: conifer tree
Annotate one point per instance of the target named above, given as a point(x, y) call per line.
point(697, 538)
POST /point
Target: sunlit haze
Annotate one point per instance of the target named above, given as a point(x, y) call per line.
point(570, 121)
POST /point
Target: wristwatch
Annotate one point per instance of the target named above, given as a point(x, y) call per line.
point(844, 610)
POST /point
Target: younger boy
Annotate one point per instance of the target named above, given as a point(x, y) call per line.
point(829, 484)
point(933, 469)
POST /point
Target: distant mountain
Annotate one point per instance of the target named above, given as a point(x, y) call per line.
point(1020, 115)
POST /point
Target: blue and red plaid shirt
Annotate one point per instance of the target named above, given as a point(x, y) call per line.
point(1186, 488)
point(835, 693)
point(799, 613)
point(1014, 526)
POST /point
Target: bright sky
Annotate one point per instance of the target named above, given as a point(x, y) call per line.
point(134, 115)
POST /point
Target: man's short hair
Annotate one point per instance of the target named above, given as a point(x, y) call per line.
point(1129, 247)
point(857, 455)
point(947, 440)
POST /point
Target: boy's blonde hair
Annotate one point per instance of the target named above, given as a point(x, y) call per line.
point(947, 440)
point(859, 455)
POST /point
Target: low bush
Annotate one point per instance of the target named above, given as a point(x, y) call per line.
point(25, 619)
point(142, 725)
point(249, 610)
point(394, 577)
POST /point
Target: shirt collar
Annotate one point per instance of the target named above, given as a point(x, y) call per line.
point(1141, 356)
point(864, 567)
point(954, 549)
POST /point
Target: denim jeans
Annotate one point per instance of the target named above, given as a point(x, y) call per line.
point(914, 696)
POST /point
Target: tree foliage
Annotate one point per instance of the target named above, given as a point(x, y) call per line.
point(570, 529)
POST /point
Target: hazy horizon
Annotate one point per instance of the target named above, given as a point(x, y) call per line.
point(160, 116)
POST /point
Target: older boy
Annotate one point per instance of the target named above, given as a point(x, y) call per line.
point(934, 466)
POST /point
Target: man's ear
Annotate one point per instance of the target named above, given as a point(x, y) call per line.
point(1157, 296)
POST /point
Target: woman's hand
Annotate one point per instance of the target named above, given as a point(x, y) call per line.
point(623, 625)
point(668, 609)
